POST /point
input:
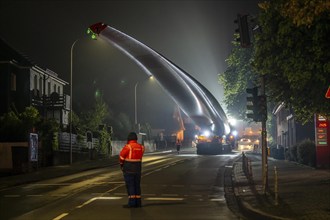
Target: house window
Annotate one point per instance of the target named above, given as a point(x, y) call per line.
point(59, 90)
point(13, 82)
point(54, 88)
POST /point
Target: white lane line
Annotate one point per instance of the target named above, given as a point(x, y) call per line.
point(12, 196)
point(45, 184)
point(99, 198)
point(156, 161)
point(163, 199)
point(95, 198)
point(110, 197)
point(61, 216)
point(217, 200)
point(86, 203)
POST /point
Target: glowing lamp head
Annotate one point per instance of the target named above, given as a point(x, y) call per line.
point(206, 133)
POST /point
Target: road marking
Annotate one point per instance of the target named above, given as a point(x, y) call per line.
point(99, 198)
point(60, 216)
point(163, 199)
point(86, 203)
point(12, 196)
point(217, 200)
point(118, 182)
point(45, 184)
point(146, 174)
point(157, 161)
point(110, 198)
point(34, 195)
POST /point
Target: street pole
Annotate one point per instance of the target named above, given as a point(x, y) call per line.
point(264, 143)
point(71, 100)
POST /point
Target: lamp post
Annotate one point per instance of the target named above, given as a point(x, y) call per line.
point(74, 43)
point(135, 105)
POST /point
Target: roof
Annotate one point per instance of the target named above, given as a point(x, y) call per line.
point(8, 53)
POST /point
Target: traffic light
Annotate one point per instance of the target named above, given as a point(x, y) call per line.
point(252, 103)
point(243, 30)
point(256, 105)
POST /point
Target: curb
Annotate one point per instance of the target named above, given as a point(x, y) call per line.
point(246, 208)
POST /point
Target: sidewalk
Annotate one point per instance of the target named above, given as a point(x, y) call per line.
point(55, 171)
point(44, 173)
point(303, 192)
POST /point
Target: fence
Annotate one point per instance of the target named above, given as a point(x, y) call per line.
point(80, 145)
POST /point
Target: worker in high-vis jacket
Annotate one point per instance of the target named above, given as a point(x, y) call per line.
point(130, 159)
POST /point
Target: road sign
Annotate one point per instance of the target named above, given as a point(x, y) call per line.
point(33, 144)
point(327, 95)
point(322, 141)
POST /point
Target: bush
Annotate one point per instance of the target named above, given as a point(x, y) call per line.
point(292, 153)
point(306, 153)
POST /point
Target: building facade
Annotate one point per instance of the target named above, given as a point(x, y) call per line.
point(23, 84)
point(289, 132)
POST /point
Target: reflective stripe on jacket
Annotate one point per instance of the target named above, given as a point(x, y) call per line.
point(132, 151)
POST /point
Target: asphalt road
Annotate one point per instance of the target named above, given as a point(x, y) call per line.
point(184, 186)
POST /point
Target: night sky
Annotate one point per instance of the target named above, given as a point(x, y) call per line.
point(195, 35)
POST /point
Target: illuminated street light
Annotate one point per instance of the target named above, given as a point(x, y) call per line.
point(74, 43)
point(71, 86)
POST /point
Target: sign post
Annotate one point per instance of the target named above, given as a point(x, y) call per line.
point(322, 141)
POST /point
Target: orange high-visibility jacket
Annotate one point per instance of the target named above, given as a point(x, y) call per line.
point(132, 152)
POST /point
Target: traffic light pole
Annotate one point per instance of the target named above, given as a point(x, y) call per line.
point(264, 144)
point(259, 101)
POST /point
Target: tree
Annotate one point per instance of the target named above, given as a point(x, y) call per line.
point(146, 128)
point(292, 51)
point(16, 126)
point(95, 116)
point(48, 130)
point(238, 76)
point(122, 126)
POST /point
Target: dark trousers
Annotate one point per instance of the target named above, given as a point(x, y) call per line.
point(133, 187)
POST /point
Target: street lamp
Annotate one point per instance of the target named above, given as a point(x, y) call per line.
point(71, 82)
point(135, 102)
point(74, 43)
